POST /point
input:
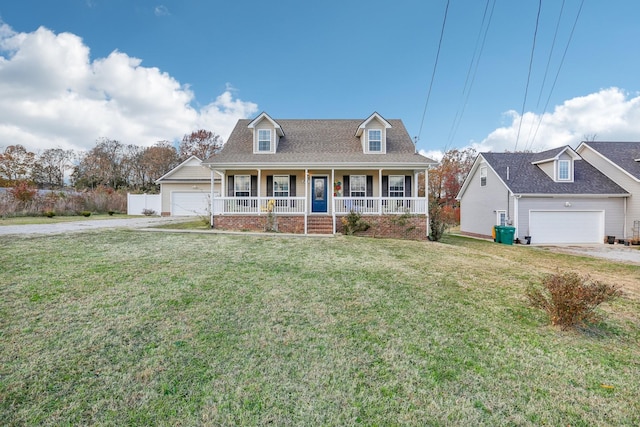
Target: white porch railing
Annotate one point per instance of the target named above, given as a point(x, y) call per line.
point(341, 205)
point(379, 205)
point(258, 205)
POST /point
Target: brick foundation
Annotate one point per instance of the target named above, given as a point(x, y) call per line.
point(412, 227)
point(284, 224)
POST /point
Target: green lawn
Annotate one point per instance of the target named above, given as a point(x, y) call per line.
point(23, 220)
point(138, 328)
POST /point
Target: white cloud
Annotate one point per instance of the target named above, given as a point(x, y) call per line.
point(161, 10)
point(53, 95)
point(609, 115)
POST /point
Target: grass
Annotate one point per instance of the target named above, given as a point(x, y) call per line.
point(24, 220)
point(199, 224)
point(132, 328)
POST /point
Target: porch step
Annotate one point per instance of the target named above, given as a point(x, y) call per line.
point(319, 225)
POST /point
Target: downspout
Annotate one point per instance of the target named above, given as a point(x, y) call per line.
point(333, 200)
point(624, 229)
point(426, 196)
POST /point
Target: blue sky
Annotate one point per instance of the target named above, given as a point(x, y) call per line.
point(72, 71)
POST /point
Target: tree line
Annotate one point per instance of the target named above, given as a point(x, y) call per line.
point(110, 163)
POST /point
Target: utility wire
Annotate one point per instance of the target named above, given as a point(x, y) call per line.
point(553, 44)
point(526, 90)
point(465, 99)
point(555, 80)
point(435, 65)
point(546, 70)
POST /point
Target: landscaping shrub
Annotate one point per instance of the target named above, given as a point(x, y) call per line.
point(148, 212)
point(353, 223)
point(85, 213)
point(569, 299)
point(49, 214)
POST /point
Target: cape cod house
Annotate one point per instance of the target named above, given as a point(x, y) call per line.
point(555, 196)
point(303, 176)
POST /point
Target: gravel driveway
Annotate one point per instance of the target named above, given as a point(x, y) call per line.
point(79, 226)
point(613, 252)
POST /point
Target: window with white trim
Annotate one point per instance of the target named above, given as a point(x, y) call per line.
point(396, 185)
point(563, 170)
point(358, 185)
point(264, 139)
point(281, 186)
point(375, 140)
point(242, 185)
point(483, 176)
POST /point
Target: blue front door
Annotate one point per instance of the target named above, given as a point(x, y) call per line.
point(319, 194)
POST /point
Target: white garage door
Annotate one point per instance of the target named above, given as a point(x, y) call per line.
point(566, 226)
point(189, 203)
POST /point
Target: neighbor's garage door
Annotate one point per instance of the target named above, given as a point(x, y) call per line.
point(566, 226)
point(189, 203)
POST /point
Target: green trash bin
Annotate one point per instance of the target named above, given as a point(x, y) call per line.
point(507, 234)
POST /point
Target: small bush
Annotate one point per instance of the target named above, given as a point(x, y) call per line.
point(111, 213)
point(49, 214)
point(353, 223)
point(148, 212)
point(570, 299)
point(85, 213)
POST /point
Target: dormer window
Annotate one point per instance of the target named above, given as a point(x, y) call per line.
point(373, 134)
point(375, 140)
point(264, 140)
point(563, 170)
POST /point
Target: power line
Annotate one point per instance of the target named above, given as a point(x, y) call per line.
point(553, 44)
point(555, 80)
point(526, 90)
point(465, 99)
point(435, 65)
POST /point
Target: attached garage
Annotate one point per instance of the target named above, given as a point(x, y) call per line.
point(566, 226)
point(189, 203)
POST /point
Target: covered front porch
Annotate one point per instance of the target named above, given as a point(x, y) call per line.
point(249, 197)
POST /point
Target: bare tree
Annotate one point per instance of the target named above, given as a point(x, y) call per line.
point(50, 167)
point(201, 143)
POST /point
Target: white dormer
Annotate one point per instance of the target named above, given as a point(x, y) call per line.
point(373, 134)
point(266, 134)
point(560, 165)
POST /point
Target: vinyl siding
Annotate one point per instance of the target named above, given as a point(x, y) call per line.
point(621, 178)
point(479, 203)
point(191, 172)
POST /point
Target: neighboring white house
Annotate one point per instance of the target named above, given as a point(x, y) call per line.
point(620, 161)
point(554, 197)
point(186, 189)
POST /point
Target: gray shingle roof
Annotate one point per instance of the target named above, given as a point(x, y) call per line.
point(309, 142)
point(622, 154)
point(526, 178)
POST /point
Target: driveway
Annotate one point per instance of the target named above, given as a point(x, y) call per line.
point(79, 226)
point(615, 252)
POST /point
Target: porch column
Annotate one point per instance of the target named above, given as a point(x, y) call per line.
point(333, 201)
point(306, 198)
point(426, 196)
point(259, 192)
point(213, 181)
point(379, 191)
